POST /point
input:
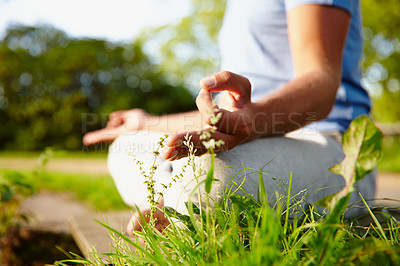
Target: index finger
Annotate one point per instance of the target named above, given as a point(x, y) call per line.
point(100, 136)
point(176, 149)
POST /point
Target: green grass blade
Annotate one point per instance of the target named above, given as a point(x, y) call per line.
point(288, 206)
point(210, 175)
point(125, 238)
point(262, 193)
point(378, 224)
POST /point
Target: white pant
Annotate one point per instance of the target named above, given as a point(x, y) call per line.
point(306, 154)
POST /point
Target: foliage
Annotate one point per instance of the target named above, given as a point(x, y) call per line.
point(381, 63)
point(189, 45)
point(53, 88)
point(362, 145)
point(243, 231)
point(381, 68)
point(13, 188)
point(98, 192)
point(391, 155)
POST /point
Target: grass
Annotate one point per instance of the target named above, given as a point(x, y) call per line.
point(98, 192)
point(242, 231)
point(57, 154)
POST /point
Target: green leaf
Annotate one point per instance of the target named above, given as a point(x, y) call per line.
point(262, 193)
point(337, 211)
point(246, 207)
point(362, 146)
point(196, 209)
point(185, 219)
point(5, 193)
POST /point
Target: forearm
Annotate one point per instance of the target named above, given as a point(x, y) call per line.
point(306, 99)
point(317, 36)
point(173, 123)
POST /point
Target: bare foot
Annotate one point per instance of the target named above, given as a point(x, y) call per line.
point(136, 221)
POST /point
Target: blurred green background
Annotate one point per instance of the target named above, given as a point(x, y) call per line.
point(54, 88)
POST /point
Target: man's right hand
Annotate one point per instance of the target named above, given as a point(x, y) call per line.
point(120, 122)
point(237, 123)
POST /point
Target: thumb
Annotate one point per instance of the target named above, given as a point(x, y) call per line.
point(238, 86)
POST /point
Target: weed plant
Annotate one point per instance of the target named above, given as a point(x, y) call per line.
point(14, 187)
point(243, 231)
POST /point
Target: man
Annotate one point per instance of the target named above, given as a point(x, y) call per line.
point(287, 64)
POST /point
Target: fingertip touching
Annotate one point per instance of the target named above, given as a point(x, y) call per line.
point(208, 82)
point(239, 86)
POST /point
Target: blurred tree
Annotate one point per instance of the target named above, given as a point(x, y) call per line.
point(381, 64)
point(48, 80)
point(188, 50)
point(54, 88)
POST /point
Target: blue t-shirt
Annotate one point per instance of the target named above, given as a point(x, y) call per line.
point(254, 43)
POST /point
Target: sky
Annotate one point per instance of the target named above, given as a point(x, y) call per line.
point(115, 20)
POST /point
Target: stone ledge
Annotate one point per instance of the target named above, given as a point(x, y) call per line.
point(90, 236)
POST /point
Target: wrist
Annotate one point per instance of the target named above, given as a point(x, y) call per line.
point(139, 119)
point(149, 122)
point(259, 121)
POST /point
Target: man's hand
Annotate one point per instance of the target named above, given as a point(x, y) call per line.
point(236, 123)
point(120, 122)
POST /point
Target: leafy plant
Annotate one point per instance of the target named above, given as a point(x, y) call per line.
point(362, 145)
point(13, 188)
